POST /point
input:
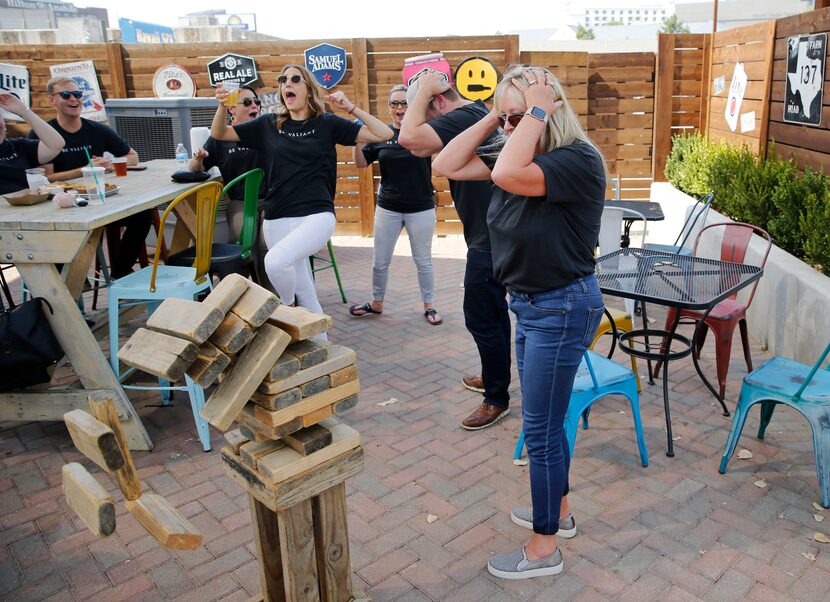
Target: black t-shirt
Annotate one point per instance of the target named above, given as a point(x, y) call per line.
point(16, 156)
point(469, 197)
point(545, 243)
point(300, 161)
point(95, 137)
point(232, 160)
point(406, 180)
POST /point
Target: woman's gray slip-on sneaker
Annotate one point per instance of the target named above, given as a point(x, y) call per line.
point(523, 516)
point(515, 565)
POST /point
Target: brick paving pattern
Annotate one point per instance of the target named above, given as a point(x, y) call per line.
point(676, 530)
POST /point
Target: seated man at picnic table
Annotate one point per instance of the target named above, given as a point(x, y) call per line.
point(83, 136)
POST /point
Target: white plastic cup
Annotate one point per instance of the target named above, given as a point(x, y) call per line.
point(233, 93)
point(36, 177)
point(93, 178)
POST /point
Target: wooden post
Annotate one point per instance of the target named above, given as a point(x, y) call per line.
point(331, 542)
point(267, 539)
point(511, 50)
point(118, 80)
point(360, 81)
point(705, 86)
point(769, 58)
point(299, 562)
point(662, 105)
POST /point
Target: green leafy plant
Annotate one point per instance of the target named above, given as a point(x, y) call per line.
point(688, 165)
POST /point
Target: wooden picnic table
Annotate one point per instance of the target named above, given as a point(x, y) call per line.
point(37, 237)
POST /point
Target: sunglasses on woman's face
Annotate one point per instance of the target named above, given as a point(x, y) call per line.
point(511, 119)
point(295, 79)
point(66, 94)
point(397, 103)
point(247, 102)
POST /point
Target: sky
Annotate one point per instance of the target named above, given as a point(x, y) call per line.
point(354, 19)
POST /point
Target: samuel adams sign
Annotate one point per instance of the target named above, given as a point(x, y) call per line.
point(327, 63)
point(232, 67)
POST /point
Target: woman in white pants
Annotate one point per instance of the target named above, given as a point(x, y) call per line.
point(297, 146)
point(405, 200)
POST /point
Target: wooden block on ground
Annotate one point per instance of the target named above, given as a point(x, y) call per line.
point(310, 353)
point(102, 407)
point(256, 305)
point(227, 292)
point(235, 439)
point(208, 365)
point(331, 543)
point(278, 496)
point(94, 439)
point(158, 354)
point(338, 357)
point(299, 322)
point(272, 418)
point(185, 319)
point(309, 440)
point(232, 334)
point(343, 376)
point(88, 499)
point(285, 367)
point(164, 522)
point(252, 451)
point(318, 415)
point(286, 463)
point(254, 363)
point(278, 401)
point(346, 404)
point(312, 387)
point(248, 418)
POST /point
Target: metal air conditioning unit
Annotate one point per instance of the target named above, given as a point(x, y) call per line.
point(154, 126)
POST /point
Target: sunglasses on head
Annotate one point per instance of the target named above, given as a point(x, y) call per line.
point(511, 119)
point(66, 94)
point(397, 103)
point(295, 79)
point(247, 102)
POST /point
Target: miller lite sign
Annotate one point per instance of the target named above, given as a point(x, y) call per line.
point(232, 67)
point(327, 63)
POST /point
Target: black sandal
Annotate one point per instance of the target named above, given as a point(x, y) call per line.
point(366, 308)
point(430, 315)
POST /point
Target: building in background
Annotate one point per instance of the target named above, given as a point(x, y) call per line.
point(218, 25)
point(51, 22)
point(138, 32)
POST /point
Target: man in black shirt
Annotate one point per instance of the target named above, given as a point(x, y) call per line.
point(83, 136)
point(436, 115)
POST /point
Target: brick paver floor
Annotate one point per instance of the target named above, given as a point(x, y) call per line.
point(676, 530)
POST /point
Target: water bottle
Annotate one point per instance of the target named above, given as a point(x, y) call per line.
point(181, 156)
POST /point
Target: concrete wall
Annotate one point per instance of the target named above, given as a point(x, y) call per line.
point(788, 315)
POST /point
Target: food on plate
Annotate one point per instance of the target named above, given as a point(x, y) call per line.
point(80, 188)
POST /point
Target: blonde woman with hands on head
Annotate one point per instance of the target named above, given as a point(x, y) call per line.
point(297, 149)
point(544, 217)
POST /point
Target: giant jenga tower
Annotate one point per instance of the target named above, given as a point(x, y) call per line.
point(290, 452)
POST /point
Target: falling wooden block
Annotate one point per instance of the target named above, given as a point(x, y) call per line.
point(343, 376)
point(310, 353)
point(250, 434)
point(235, 439)
point(185, 319)
point(285, 367)
point(232, 334)
point(299, 322)
point(103, 408)
point(309, 440)
point(158, 354)
point(338, 357)
point(254, 363)
point(164, 522)
point(307, 405)
point(225, 294)
point(255, 305)
point(94, 439)
point(88, 499)
point(208, 365)
point(248, 419)
point(278, 401)
point(252, 451)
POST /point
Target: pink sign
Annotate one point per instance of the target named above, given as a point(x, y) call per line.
point(435, 61)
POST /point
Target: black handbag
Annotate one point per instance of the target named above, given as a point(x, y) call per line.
point(28, 346)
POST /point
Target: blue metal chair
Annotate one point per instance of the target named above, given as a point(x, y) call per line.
point(697, 214)
point(803, 388)
point(596, 377)
point(153, 284)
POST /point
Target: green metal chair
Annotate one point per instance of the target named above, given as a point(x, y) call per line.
point(331, 262)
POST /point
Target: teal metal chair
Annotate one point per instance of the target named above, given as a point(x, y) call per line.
point(804, 388)
point(331, 262)
point(153, 284)
point(697, 214)
point(596, 377)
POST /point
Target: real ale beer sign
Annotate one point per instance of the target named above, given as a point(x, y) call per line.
point(232, 67)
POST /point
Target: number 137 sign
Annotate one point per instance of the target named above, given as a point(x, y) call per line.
point(806, 55)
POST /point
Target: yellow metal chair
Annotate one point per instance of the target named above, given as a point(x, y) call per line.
point(624, 323)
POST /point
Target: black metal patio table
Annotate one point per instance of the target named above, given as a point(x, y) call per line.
point(652, 211)
point(671, 280)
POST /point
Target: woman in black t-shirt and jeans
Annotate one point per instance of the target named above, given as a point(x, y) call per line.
point(544, 220)
point(297, 149)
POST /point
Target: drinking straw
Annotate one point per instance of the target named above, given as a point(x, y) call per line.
point(97, 184)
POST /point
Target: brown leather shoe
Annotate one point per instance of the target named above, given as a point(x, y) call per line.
point(474, 383)
point(484, 415)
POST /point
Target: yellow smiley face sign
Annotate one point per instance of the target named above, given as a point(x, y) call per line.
point(476, 78)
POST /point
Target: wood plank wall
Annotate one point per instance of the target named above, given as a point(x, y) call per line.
point(808, 146)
